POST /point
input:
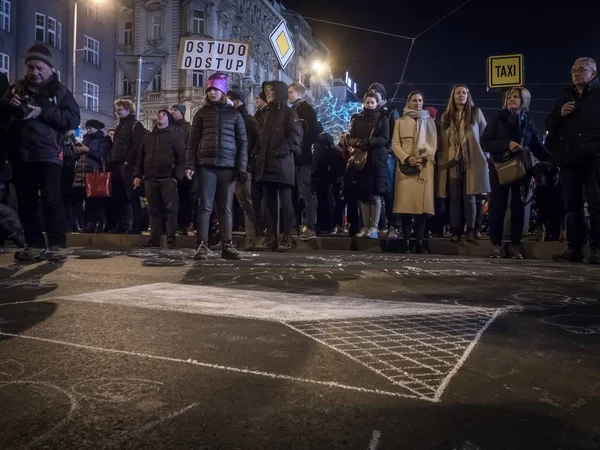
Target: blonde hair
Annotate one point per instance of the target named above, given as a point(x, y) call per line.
point(450, 115)
point(207, 101)
point(523, 93)
point(125, 104)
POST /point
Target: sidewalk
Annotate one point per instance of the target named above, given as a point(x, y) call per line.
point(439, 246)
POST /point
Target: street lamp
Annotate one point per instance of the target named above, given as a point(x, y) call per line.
point(319, 67)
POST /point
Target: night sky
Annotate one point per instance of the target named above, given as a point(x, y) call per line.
point(455, 50)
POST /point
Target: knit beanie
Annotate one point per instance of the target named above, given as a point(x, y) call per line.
point(217, 81)
point(39, 52)
point(234, 94)
point(181, 109)
point(378, 87)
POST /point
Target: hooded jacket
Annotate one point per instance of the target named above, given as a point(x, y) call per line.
point(217, 138)
point(280, 139)
point(311, 128)
point(161, 155)
point(40, 140)
point(575, 139)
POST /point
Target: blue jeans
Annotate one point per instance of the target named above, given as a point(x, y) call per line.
point(389, 196)
point(214, 183)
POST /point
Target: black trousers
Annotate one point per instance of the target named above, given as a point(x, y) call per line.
point(498, 206)
point(29, 178)
point(184, 216)
point(352, 208)
point(258, 202)
point(581, 183)
point(125, 199)
point(214, 184)
point(162, 201)
point(278, 196)
point(325, 208)
point(419, 226)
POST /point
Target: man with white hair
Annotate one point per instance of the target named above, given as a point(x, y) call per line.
point(574, 138)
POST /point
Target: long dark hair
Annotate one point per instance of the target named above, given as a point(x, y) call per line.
point(450, 115)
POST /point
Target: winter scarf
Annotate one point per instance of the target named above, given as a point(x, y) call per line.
point(425, 132)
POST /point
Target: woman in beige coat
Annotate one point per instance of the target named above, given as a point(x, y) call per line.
point(414, 144)
point(463, 171)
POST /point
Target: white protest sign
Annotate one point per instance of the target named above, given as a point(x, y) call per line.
point(211, 54)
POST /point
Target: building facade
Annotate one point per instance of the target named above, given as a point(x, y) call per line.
point(153, 28)
point(52, 22)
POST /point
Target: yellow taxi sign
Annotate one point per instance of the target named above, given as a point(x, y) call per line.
point(282, 44)
point(505, 71)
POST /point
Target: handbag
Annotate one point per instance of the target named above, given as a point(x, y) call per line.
point(411, 171)
point(358, 156)
point(98, 184)
point(514, 167)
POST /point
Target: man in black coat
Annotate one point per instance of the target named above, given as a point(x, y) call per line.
point(42, 111)
point(243, 188)
point(311, 128)
point(280, 139)
point(123, 156)
point(184, 186)
point(160, 164)
point(574, 138)
point(262, 108)
point(392, 115)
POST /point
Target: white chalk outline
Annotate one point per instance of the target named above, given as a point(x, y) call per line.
point(106, 399)
point(276, 376)
point(374, 444)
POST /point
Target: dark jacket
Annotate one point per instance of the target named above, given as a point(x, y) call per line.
point(252, 133)
point(311, 129)
point(392, 115)
point(41, 139)
point(94, 160)
point(127, 140)
point(182, 128)
point(372, 179)
point(575, 139)
point(507, 127)
point(260, 116)
point(328, 162)
point(161, 155)
point(217, 139)
point(280, 139)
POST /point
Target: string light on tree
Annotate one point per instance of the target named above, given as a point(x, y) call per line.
point(335, 115)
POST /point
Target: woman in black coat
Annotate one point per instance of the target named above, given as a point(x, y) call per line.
point(90, 157)
point(370, 131)
point(510, 132)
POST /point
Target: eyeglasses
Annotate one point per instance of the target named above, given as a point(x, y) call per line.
point(579, 70)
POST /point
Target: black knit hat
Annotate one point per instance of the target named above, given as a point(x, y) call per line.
point(234, 95)
point(169, 115)
point(378, 87)
point(39, 52)
point(94, 124)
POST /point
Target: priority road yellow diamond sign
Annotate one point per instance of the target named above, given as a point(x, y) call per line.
point(282, 43)
point(505, 71)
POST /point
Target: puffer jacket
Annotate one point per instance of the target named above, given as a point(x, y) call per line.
point(93, 160)
point(217, 139)
point(182, 127)
point(161, 155)
point(40, 140)
point(280, 139)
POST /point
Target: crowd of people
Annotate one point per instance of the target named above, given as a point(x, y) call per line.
point(394, 174)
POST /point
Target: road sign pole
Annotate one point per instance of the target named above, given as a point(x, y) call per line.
point(138, 90)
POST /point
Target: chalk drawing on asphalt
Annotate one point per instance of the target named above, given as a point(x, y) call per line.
point(575, 323)
point(115, 390)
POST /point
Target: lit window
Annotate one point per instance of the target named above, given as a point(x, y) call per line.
point(91, 94)
point(92, 50)
point(40, 27)
point(5, 15)
point(4, 63)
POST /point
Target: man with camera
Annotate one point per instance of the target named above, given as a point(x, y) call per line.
point(42, 111)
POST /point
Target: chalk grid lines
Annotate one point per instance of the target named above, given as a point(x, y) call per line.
point(420, 353)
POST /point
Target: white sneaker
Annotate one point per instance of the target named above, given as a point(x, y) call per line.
point(362, 233)
point(373, 234)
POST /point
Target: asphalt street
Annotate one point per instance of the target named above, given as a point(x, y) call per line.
point(148, 349)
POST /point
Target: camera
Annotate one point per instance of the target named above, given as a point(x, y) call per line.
point(27, 102)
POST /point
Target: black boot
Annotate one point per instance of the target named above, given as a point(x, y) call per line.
point(420, 248)
point(230, 252)
point(406, 246)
